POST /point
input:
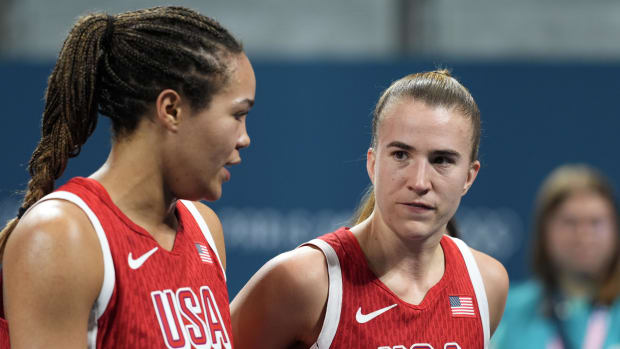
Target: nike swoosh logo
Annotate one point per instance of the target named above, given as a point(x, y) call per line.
point(137, 263)
point(363, 318)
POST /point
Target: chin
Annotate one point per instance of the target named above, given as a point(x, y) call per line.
point(207, 193)
point(415, 230)
point(213, 194)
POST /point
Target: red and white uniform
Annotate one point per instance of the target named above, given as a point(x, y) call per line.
point(364, 313)
point(151, 297)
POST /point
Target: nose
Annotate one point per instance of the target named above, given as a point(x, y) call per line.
point(244, 139)
point(420, 177)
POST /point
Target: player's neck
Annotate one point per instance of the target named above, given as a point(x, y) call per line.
point(132, 177)
point(409, 269)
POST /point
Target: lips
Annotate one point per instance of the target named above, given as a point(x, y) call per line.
point(227, 165)
point(420, 205)
point(226, 174)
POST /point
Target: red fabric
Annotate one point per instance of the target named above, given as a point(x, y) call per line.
point(4, 334)
point(4, 326)
point(176, 282)
point(429, 324)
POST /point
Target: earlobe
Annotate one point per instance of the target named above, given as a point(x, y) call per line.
point(370, 164)
point(169, 109)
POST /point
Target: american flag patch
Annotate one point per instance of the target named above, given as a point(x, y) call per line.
point(462, 306)
point(203, 253)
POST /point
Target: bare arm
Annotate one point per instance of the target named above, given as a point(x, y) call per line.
point(215, 226)
point(496, 282)
point(283, 304)
point(52, 271)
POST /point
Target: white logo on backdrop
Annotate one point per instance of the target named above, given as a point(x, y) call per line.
point(269, 229)
point(498, 232)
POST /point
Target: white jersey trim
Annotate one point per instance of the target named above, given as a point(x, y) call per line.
point(205, 230)
point(334, 296)
point(109, 274)
point(476, 280)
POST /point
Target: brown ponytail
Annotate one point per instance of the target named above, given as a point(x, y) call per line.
point(117, 66)
point(70, 113)
point(366, 206)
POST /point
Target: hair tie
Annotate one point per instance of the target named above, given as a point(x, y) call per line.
point(106, 40)
point(21, 212)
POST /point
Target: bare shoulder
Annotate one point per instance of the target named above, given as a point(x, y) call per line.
point(284, 301)
point(215, 227)
point(208, 214)
point(492, 270)
point(496, 284)
point(51, 229)
point(297, 269)
point(55, 245)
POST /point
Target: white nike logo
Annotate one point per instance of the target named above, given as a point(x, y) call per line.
point(137, 263)
point(363, 318)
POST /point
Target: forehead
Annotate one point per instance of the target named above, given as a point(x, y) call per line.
point(241, 79)
point(418, 124)
point(585, 202)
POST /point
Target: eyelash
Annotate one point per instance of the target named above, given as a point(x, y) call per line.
point(240, 115)
point(400, 155)
point(444, 160)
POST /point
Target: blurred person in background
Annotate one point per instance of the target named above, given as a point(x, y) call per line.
point(395, 279)
point(128, 257)
point(574, 299)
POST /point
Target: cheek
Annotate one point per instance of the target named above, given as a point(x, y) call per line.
point(607, 243)
point(391, 177)
point(219, 139)
point(558, 244)
point(450, 185)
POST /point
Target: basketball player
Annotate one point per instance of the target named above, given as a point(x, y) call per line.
point(395, 279)
point(118, 260)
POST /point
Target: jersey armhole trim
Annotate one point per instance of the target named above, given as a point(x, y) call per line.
point(109, 274)
point(205, 230)
point(478, 284)
point(334, 296)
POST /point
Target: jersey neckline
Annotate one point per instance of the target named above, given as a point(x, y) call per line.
point(101, 192)
point(431, 295)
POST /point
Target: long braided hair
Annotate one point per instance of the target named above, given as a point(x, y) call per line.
point(117, 66)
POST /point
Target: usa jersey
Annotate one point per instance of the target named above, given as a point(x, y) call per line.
point(362, 312)
point(152, 297)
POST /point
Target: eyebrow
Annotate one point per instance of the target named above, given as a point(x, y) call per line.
point(247, 101)
point(440, 152)
point(447, 153)
point(400, 145)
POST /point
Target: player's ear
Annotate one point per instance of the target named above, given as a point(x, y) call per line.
point(472, 173)
point(370, 164)
point(169, 109)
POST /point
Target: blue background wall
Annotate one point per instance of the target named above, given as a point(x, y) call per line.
point(305, 170)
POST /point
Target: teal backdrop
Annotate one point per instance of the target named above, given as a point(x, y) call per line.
point(305, 170)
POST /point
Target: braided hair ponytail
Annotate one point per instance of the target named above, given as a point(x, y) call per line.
point(117, 66)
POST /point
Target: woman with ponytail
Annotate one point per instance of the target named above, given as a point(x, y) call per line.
point(127, 257)
point(395, 279)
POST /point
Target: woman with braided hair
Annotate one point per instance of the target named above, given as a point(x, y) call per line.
point(395, 279)
point(128, 257)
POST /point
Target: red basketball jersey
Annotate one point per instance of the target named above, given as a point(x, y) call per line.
point(364, 313)
point(151, 297)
